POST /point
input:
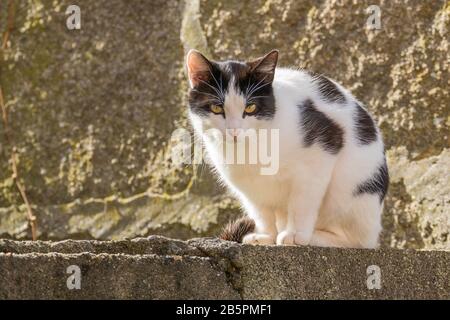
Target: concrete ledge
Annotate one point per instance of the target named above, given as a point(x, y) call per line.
point(161, 268)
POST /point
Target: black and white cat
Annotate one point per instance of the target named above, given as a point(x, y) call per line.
point(332, 175)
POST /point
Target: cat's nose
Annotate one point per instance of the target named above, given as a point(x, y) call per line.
point(234, 133)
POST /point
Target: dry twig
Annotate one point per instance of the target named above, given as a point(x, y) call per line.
point(8, 137)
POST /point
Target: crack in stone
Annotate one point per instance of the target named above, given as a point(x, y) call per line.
point(228, 265)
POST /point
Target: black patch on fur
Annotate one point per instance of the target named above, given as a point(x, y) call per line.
point(378, 184)
point(262, 97)
point(318, 128)
point(365, 129)
point(201, 98)
point(255, 88)
point(236, 230)
point(328, 90)
point(208, 93)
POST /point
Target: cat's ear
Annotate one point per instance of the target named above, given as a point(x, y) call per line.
point(264, 67)
point(198, 68)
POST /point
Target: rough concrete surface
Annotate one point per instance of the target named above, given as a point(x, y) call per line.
point(206, 268)
point(93, 110)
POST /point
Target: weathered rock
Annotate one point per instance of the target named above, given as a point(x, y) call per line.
point(93, 110)
point(160, 268)
point(420, 201)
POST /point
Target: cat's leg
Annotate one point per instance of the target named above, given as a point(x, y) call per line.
point(361, 224)
point(307, 193)
point(324, 238)
point(281, 220)
point(265, 228)
point(358, 226)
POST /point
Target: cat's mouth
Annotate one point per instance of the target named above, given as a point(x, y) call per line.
point(239, 139)
point(234, 135)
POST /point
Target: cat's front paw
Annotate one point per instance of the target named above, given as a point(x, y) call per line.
point(285, 238)
point(258, 238)
point(292, 238)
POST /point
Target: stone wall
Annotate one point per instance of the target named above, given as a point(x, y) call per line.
point(161, 268)
point(93, 110)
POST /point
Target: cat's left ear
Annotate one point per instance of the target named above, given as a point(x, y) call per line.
point(198, 68)
point(264, 67)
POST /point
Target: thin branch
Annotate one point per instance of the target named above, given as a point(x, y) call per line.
point(9, 25)
point(8, 138)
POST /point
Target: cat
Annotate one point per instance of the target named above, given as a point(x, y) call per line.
point(332, 178)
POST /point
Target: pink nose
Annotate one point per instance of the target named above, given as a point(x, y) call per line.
point(234, 132)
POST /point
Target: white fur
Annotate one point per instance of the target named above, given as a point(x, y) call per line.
point(310, 200)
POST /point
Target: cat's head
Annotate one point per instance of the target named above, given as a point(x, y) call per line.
point(231, 96)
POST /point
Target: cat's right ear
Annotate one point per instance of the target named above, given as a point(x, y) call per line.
point(198, 68)
point(264, 67)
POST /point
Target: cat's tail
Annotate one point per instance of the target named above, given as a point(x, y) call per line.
point(236, 230)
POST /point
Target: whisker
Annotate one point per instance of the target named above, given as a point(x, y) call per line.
point(215, 89)
point(220, 87)
point(248, 85)
point(253, 85)
point(256, 97)
point(208, 94)
point(257, 86)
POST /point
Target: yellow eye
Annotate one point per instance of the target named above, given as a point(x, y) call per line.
point(250, 108)
point(216, 109)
